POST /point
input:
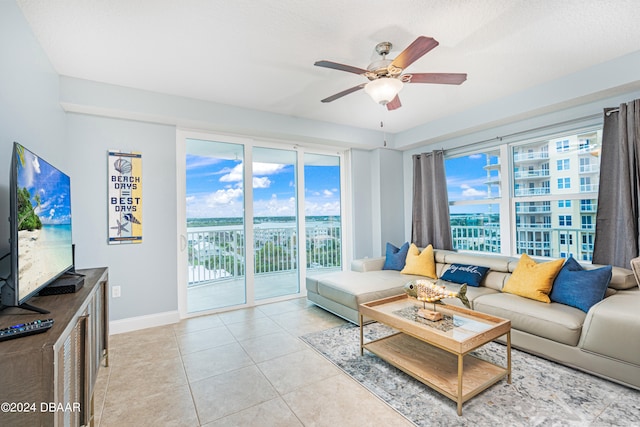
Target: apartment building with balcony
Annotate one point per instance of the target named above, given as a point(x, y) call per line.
point(555, 185)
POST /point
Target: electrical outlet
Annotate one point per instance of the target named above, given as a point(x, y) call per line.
point(115, 292)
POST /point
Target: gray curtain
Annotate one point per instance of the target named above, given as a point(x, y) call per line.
point(617, 239)
point(430, 217)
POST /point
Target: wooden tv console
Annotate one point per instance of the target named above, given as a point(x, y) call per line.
point(48, 379)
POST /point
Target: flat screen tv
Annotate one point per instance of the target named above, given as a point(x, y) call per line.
point(40, 227)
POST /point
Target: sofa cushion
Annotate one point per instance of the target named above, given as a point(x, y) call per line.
point(351, 288)
point(472, 293)
point(611, 326)
point(557, 322)
point(395, 257)
point(472, 275)
point(578, 287)
point(533, 280)
point(420, 263)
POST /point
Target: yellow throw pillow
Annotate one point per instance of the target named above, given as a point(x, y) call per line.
point(421, 264)
point(533, 280)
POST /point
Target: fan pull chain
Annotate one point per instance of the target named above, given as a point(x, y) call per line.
point(384, 134)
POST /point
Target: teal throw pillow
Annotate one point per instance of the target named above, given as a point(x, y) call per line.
point(472, 275)
point(395, 257)
point(580, 288)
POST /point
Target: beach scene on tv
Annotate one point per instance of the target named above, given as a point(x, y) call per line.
point(44, 221)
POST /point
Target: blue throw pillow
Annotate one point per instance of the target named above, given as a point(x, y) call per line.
point(472, 275)
point(578, 287)
point(395, 257)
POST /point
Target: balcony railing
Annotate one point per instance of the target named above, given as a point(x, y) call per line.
point(522, 157)
point(532, 191)
point(217, 253)
point(587, 188)
point(533, 209)
point(589, 168)
point(538, 173)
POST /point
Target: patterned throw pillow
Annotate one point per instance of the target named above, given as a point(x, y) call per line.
point(472, 275)
point(420, 263)
point(395, 257)
point(533, 280)
point(578, 287)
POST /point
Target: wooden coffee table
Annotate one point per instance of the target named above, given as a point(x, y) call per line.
point(437, 353)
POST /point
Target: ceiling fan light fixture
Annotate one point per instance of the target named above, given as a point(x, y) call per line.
point(384, 89)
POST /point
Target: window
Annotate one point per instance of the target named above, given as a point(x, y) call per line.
point(562, 146)
point(563, 164)
point(564, 183)
point(586, 186)
point(588, 205)
point(536, 216)
point(564, 220)
point(566, 239)
point(473, 184)
point(586, 166)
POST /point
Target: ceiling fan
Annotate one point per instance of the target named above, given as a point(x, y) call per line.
point(386, 76)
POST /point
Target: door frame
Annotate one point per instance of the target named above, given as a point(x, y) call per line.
point(249, 143)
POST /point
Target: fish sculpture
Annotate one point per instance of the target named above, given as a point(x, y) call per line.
point(437, 292)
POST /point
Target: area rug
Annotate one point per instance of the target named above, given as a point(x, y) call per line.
point(541, 392)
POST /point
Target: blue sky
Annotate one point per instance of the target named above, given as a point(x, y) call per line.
point(215, 189)
point(466, 178)
point(39, 177)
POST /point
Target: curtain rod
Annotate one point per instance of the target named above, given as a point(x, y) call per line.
point(613, 110)
point(524, 132)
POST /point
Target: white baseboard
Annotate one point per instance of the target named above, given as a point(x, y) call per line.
point(143, 322)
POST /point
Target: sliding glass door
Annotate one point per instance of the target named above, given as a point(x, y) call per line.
point(257, 217)
point(215, 225)
point(275, 223)
point(322, 206)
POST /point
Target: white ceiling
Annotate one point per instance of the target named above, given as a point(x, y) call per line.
point(259, 54)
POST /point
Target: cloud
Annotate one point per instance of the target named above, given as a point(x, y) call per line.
point(476, 156)
point(196, 162)
point(327, 208)
point(261, 182)
point(233, 175)
point(327, 193)
point(36, 164)
point(259, 169)
point(275, 207)
point(223, 197)
point(468, 191)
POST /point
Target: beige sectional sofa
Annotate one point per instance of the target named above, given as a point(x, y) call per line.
point(605, 341)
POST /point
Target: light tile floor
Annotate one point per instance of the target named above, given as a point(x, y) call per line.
point(240, 368)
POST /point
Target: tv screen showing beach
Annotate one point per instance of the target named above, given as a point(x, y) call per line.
point(44, 222)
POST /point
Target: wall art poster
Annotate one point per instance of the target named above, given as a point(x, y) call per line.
point(125, 197)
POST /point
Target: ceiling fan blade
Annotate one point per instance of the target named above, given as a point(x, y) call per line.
point(341, 67)
point(437, 78)
point(343, 93)
point(394, 104)
point(415, 50)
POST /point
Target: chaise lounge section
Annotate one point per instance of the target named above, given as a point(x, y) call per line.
point(602, 341)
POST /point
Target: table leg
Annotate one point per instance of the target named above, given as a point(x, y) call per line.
point(361, 336)
point(460, 366)
point(509, 357)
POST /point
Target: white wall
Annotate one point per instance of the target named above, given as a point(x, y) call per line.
point(391, 208)
point(362, 203)
point(146, 272)
point(29, 107)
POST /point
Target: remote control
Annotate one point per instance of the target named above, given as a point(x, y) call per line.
point(25, 329)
